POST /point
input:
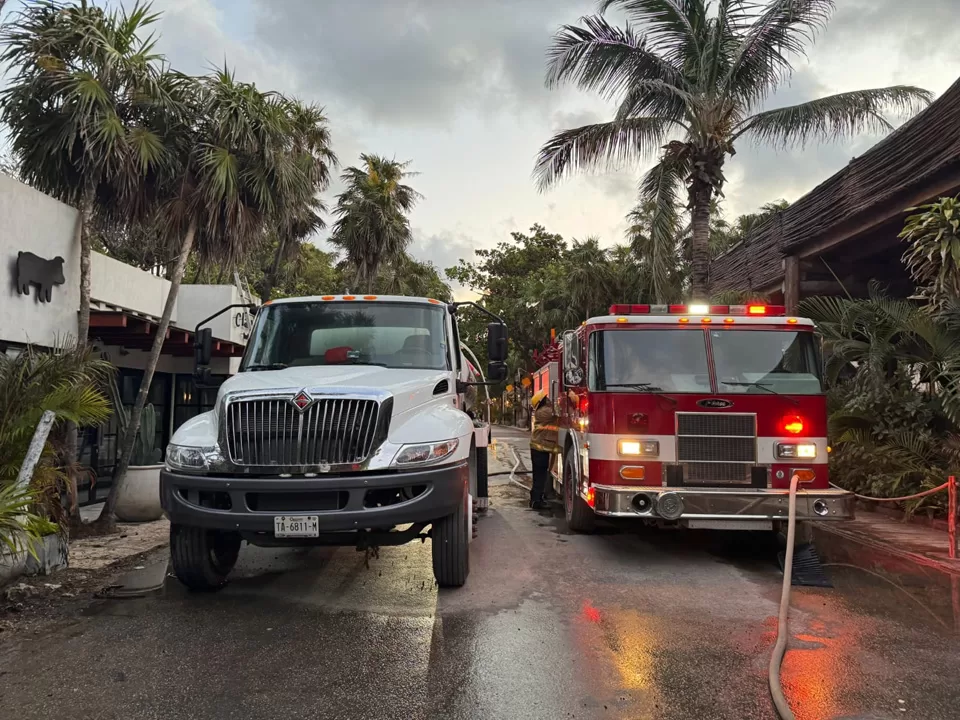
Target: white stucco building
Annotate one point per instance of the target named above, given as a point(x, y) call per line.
point(126, 304)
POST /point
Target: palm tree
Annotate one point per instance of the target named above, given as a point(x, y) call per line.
point(701, 69)
point(67, 381)
point(656, 238)
point(933, 257)
point(232, 169)
point(372, 225)
point(298, 216)
point(589, 276)
point(81, 108)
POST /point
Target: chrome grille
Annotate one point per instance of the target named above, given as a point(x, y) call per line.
point(717, 473)
point(274, 433)
point(716, 448)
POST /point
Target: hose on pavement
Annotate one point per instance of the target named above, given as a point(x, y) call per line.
point(780, 649)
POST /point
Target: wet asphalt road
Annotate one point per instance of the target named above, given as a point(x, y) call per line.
point(627, 624)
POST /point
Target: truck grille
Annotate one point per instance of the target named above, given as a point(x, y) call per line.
point(716, 448)
point(274, 433)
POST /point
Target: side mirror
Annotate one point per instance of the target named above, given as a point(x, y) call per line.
point(203, 347)
point(497, 343)
point(496, 371)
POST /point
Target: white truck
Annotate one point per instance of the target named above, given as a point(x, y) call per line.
point(346, 425)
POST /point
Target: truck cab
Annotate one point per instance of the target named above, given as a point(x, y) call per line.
point(694, 416)
point(345, 422)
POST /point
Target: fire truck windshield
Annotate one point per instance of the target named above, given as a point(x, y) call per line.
point(757, 361)
point(668, 361)
point(675, 361)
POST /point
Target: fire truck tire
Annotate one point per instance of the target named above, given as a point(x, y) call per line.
point(580, 518)
point(450, 538)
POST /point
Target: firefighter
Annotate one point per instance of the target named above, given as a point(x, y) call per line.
point(543, 445)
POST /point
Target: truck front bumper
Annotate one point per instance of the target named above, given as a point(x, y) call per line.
point(342, 503)
point(720, 504)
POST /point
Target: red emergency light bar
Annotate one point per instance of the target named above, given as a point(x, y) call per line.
point(753, 310)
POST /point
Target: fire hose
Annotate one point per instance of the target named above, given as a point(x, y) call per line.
point(780, 648)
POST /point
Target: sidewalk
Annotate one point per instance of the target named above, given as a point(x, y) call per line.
point(911, 552)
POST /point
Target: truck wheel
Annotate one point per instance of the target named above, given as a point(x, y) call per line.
point(580, 518)
point(202, 558)
point(450, 538)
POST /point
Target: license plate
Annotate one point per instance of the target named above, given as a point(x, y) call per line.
point(294, 526)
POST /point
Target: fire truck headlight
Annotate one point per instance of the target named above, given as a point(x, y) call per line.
point(799, 451)
point(642, 448)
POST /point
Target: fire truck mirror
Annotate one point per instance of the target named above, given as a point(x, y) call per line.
point(571, 351)
point(497, 342)
point(496, 371)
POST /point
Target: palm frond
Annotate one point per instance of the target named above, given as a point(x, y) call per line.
point(605, 58)
point(602, 145)
point(769, 35)
point(660, 247)
point(675, 29)
point(835, 116)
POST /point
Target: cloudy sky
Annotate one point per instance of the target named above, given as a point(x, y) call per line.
point(456, 86)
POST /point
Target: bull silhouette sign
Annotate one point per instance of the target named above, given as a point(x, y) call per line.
point(35, 270)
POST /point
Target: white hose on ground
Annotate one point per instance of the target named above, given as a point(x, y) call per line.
point(513, 477)
point(776, 689)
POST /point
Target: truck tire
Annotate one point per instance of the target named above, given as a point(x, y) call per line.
point(202, 558)
point(580, 518)
point(450, 538)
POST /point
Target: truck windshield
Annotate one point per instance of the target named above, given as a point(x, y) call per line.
point(672, 360)
point(758, 361)
point(394, 335)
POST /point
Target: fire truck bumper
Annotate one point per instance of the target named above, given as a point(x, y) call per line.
point(698, 504)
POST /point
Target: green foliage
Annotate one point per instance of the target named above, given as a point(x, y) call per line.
point(65, 381)
point(933, 257)
point(894, 370)
point(20, 526)
point(537, 281)
point(697, 71)
point(145, 450)
point(372, 225)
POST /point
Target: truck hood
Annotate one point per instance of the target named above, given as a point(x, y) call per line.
point(409, 387)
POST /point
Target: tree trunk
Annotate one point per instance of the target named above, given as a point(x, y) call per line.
point(271, 279)
point(85, 220)
point(107, 517)
point(700, 246)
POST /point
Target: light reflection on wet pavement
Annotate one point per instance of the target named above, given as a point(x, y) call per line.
point(621, 625)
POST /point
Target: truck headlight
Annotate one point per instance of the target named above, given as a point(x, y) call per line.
point(191, 459)
point(643, 448)
point(796, 451)
point(427, 453)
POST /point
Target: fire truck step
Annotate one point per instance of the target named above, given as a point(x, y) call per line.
point(807, 570)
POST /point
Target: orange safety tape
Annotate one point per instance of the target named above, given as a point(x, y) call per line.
point(900, 499)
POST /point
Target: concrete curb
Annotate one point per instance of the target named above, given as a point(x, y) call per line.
point(839, 545)
point(52, 555)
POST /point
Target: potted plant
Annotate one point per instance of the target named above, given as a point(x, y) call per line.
point(139, 497)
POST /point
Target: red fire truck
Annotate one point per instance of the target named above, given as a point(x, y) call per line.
point(691, 415)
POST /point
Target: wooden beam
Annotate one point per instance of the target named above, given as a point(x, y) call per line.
point(108, 320)
point(889, 210)
point(791, 283)
point(832, 287)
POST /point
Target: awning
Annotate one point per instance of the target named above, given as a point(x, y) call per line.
point(137, 333)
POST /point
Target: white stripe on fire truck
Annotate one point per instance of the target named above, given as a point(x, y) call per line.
point(604, 447)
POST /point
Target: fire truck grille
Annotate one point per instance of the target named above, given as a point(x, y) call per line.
point(716, 448)
point(716, 474)
point(330, 431)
